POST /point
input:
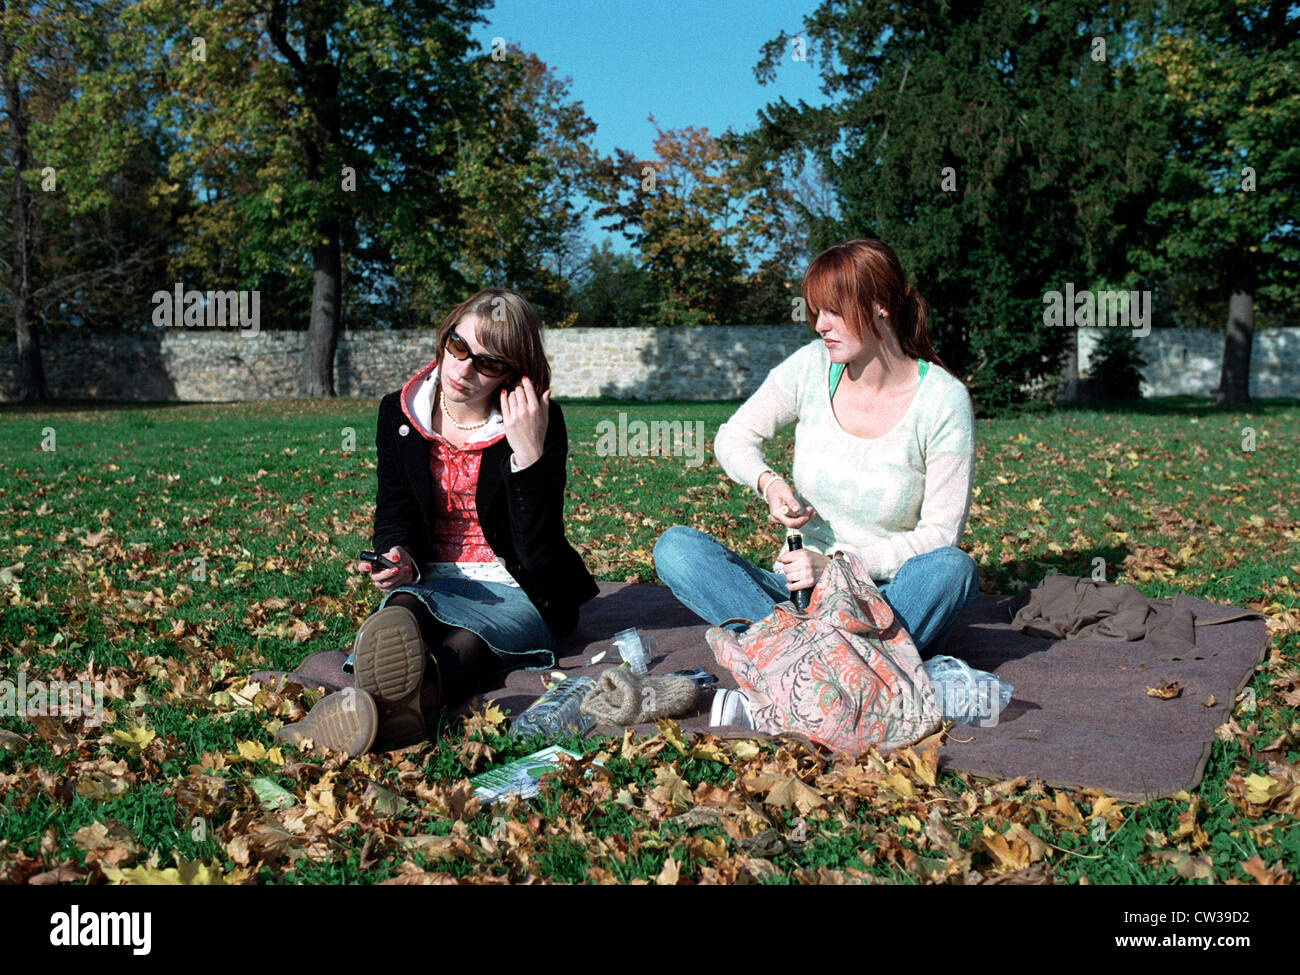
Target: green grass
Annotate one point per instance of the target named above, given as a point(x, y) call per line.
point(180, 547)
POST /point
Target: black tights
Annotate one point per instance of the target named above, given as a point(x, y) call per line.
point(464, 660)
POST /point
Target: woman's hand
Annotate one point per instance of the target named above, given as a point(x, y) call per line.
point(803, 567)
point(784, 507)
point(389, 579)
point(526, 415)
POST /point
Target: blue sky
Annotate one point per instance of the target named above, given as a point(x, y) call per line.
point(687, 62)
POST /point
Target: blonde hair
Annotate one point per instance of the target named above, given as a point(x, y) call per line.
point(508, 329)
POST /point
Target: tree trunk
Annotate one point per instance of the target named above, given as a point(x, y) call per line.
point(323, 330)
point(318, 78)
point(1234, 377)
point(31, 369)
point(1070, 390)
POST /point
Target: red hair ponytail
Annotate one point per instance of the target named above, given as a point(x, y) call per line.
point(849, 278)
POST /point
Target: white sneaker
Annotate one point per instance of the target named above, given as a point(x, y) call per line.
point(730, 707)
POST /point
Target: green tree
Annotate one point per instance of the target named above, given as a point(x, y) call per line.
point(311, 128)
point(31, 371)
point(1117, 363)
point(92, 212)
point(523, 164)
point(989, 148)
point(1229, 76)
point(612, 290)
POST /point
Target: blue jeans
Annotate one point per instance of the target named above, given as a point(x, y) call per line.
point(927, 594)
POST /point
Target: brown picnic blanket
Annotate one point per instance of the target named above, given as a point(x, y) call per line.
point(1080, 715)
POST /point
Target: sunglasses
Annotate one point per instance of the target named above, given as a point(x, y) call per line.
point(484, 365)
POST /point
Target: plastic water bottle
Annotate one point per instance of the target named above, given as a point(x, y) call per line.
point(558, 710)
point(633, 650)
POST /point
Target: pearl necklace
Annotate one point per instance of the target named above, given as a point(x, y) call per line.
point(442, 401)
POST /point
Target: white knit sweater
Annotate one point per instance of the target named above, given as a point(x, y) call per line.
point(886, 499)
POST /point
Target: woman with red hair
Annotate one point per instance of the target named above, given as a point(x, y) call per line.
point(883, 461)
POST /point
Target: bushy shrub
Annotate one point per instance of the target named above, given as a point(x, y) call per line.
point(1117, 365)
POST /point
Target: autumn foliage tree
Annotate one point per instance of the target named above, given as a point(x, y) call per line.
point(361, 160)
point(708, 232)
point(311, 128)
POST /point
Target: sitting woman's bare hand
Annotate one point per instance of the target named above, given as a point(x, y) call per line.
point(387, 580)
point(526, 415)
point(802, 567)
point(785, 508)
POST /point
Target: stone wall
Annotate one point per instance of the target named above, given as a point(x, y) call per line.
point(634, 363)
point(1187, 361)
point(727, 362)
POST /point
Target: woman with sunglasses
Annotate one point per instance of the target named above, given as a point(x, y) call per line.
point(883, 461)
point(469, 511)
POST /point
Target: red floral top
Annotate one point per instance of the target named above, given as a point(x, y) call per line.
point(457, 534)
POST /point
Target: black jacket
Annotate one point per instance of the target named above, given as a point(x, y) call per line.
point(521, 512)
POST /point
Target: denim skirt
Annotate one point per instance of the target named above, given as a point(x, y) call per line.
point(503, 616)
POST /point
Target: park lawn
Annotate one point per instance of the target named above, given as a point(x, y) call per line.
point(169, 550)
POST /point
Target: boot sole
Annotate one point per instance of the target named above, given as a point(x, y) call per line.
point(346, 721)
point(388, 662)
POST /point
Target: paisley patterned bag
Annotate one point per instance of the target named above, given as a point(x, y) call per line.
point(845, 673)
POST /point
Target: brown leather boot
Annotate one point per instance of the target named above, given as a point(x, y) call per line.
point(388, 660)
point(346, 721)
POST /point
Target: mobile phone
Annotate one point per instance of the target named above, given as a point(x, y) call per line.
point(375, 557)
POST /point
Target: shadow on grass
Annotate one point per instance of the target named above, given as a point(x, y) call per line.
point(1178, 406)
point(1011, 577)
point(660, 404)
point(1163, 406)
point(88, 405)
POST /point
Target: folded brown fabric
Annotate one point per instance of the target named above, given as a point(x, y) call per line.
point(1072, 608)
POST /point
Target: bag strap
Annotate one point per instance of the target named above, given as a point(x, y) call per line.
point(736, 619)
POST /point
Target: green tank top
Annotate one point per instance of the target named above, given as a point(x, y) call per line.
point(837, 370)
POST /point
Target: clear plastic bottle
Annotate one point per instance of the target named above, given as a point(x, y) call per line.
point(558, 710)
point(633, 650)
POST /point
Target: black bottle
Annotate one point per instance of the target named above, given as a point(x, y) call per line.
point(800, 597)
